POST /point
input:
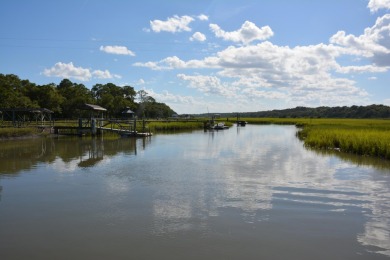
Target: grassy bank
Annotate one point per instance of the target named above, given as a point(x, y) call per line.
point(368, 137)
point(174, 126)
point(10, 132)
point(179, 125)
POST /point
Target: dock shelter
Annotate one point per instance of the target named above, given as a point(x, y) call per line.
point(21, 117)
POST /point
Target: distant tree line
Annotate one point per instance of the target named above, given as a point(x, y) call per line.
point(67, 97)
point(371, 111)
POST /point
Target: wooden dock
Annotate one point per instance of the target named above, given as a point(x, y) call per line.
point(93, 127)
point(126, 133)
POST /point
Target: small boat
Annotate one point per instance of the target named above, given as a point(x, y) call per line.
point(135, 134)
point(219, 126)
point(241, 123)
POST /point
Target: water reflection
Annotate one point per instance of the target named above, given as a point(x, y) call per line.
point(250, 191)
point(70, 152)
point(263, 169)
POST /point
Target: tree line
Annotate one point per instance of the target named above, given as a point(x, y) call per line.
point(67, 97)
point(371, 111)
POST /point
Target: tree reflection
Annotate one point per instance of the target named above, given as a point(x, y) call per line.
point(21, 155)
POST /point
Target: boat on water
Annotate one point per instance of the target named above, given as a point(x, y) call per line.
point(135, 134)
point(219, 126)
point(241, 123)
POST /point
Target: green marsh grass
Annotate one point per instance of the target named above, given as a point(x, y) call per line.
point(368, 137)
point(174, 125)
point(11, 132)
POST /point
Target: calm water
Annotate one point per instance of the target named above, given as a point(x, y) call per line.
point(245, 193)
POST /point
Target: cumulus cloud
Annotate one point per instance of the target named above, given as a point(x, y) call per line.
point(175, 62)
point(200, 37)
point(119, 50)
point(373, 44)
point(166, 96)
point(203, 17)
point(141, 82)
point(375, 5)
point(301, 75)
point(248, 32)
point(104, 74)
point(172, 24)
point(208, 85)
point(68, 70)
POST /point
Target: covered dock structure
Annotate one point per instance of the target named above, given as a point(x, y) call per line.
point(22, 117)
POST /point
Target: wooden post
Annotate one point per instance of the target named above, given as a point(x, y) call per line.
point(93, 126)
point(80, 128)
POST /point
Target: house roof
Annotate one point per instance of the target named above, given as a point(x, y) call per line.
point(127, 111)
point(93, 107)
point(26, 109)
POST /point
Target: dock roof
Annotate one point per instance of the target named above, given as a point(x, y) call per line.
point(93, 107)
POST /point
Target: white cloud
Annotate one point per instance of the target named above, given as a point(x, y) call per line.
point(100, 74)
point(294, 72)
point(68, 70)
point(165, 96)
point(255, 94)
point(209, 85)
point(375, 5)
point(373, 44)
point(203, 17)
point(361, 69)
point(150, 64)
point(248, 32)
point(303, 75)
point(200, 37)
point(174, 62)
point(120, 50)
point(141, 82)
point(172, 24)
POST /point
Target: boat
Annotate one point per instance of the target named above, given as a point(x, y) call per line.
point(219, 126)
point(241, 123)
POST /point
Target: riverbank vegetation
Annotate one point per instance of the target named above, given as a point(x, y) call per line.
point(181, 125)
point(367, 137)
point(67, 99)
point(370, 111)
point(10, 133)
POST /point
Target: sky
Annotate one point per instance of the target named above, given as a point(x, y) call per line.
point(205, 56)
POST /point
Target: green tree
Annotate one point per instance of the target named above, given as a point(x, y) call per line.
point(49, 97)
point(75, 96)
point(114, 98)
point(12, 92)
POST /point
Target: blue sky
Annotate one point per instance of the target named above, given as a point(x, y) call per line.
point(203, 55)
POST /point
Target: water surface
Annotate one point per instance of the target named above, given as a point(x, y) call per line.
point(250, 192)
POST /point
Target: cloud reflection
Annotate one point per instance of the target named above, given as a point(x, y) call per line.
point(259, 167)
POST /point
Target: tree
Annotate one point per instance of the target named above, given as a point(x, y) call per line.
point(114, 98)
point(144, 100)
point(75, 96)
point(12, 92)
point(49, 97)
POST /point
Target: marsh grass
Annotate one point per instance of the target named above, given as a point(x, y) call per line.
point(359, 140)
point(369, 137)
point(11, 132)
point(173, 126)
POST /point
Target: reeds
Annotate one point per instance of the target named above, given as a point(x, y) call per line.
point(369, 137)
point(174, 126)
point(17, 132)
point(368, 141)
